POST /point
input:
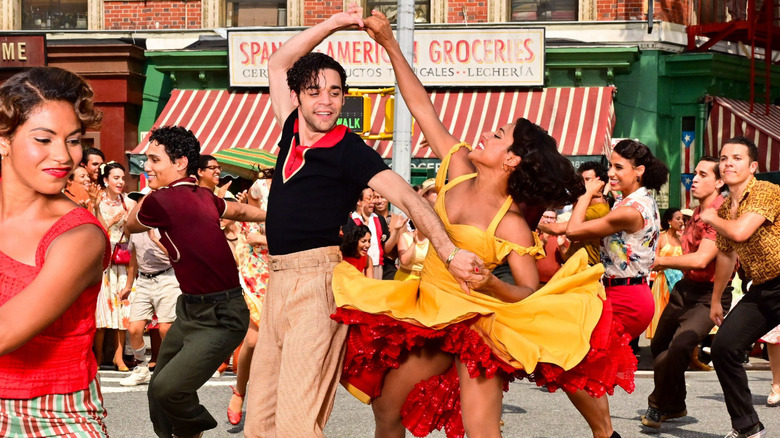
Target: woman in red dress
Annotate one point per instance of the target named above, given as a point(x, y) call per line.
point(52, 255)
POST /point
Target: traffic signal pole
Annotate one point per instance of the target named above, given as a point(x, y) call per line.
point(402, 124)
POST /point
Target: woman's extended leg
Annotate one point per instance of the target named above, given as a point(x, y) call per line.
point(774, 364)
point(480, 401)
point(119, 350)
point(595, 411)
point(244, 360)
point(421, 364)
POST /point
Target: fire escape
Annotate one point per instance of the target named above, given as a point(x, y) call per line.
point(755, 26)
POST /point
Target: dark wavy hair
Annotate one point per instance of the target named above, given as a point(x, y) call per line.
point(91, 151)
point(667, 217)
point(179, 142)
point(656, 173)
point(304, 73)
point(105, 170)
point(544, 176)
point(24, 92)
point(599, 169)
point(351, 238)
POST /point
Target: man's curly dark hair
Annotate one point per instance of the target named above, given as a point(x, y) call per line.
point(544, 176)
point(303, 74)
point(178, 142)
point(599, 169)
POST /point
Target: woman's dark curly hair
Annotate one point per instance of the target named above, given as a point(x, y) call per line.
point(24, 92)
point(656, 173)
point(105, 170)
point(544, 176)
point(350, 243)
point(178, 142)
point(667, 217)
point(304, 73)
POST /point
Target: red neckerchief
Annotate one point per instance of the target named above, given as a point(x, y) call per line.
point(295, 158)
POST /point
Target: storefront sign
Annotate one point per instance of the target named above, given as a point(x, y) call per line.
point(465, 57)
point(22, 51)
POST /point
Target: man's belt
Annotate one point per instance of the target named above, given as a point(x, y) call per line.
point(627, 281)
point(153, 274)
point(216, 297)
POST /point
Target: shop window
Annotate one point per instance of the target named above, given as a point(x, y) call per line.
point(54, 14)
point(90, 139)
point(545, 10)
point(422, 9)
point(243, 13)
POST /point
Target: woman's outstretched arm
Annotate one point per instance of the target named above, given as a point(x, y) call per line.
point(439, 139)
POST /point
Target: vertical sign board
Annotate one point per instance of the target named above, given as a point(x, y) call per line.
point(471, 57)
point(19, 51)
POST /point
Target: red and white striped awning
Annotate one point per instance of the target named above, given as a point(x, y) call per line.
point(221, 119)
point(580, 119)
point(731, 118)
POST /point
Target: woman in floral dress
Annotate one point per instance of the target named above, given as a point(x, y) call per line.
point(253, 269)
point(629, 235)
point(113, 306)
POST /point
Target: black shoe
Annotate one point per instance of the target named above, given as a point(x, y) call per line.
point(654, 417)
point(615, 435)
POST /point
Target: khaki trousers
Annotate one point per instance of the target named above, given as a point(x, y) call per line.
point(300, 351)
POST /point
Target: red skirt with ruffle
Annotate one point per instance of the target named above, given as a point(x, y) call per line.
point(377, 343)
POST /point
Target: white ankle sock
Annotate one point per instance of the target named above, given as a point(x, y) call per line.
point(140, 357)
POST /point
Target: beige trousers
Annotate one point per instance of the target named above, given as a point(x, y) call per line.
point(297, 362)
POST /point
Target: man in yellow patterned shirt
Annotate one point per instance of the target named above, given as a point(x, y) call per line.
point(748, 226)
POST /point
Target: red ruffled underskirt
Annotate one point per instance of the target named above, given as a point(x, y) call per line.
point(377, 343)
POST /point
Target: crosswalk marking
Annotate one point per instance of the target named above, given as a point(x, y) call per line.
point(109, 382)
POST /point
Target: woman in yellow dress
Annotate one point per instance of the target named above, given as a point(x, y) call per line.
point(412, 249)
point(422, 350)
point(669, 245)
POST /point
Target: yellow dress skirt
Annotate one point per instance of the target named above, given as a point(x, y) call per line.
point(562, 336)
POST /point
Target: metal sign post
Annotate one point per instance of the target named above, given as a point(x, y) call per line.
point(402, 125)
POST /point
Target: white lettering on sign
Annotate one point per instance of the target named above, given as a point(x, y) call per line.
point(455, 57)
point(14, 51)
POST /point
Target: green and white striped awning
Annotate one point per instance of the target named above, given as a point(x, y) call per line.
point(245, 162)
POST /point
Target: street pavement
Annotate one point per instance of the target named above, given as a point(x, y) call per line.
point(529, 411)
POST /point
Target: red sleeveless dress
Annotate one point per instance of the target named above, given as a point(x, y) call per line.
point(59, 359)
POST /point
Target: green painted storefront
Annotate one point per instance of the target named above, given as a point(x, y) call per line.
point(657, 92)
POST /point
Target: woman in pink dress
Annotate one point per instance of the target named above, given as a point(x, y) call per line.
point(52, 255)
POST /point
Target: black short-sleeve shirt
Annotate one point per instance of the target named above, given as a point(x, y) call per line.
point(308, 205)
point(188, 219)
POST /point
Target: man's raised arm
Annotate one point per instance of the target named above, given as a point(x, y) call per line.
point(297, 46)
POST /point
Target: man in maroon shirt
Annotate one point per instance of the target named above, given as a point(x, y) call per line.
point(685, 321)
point(211, 315)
